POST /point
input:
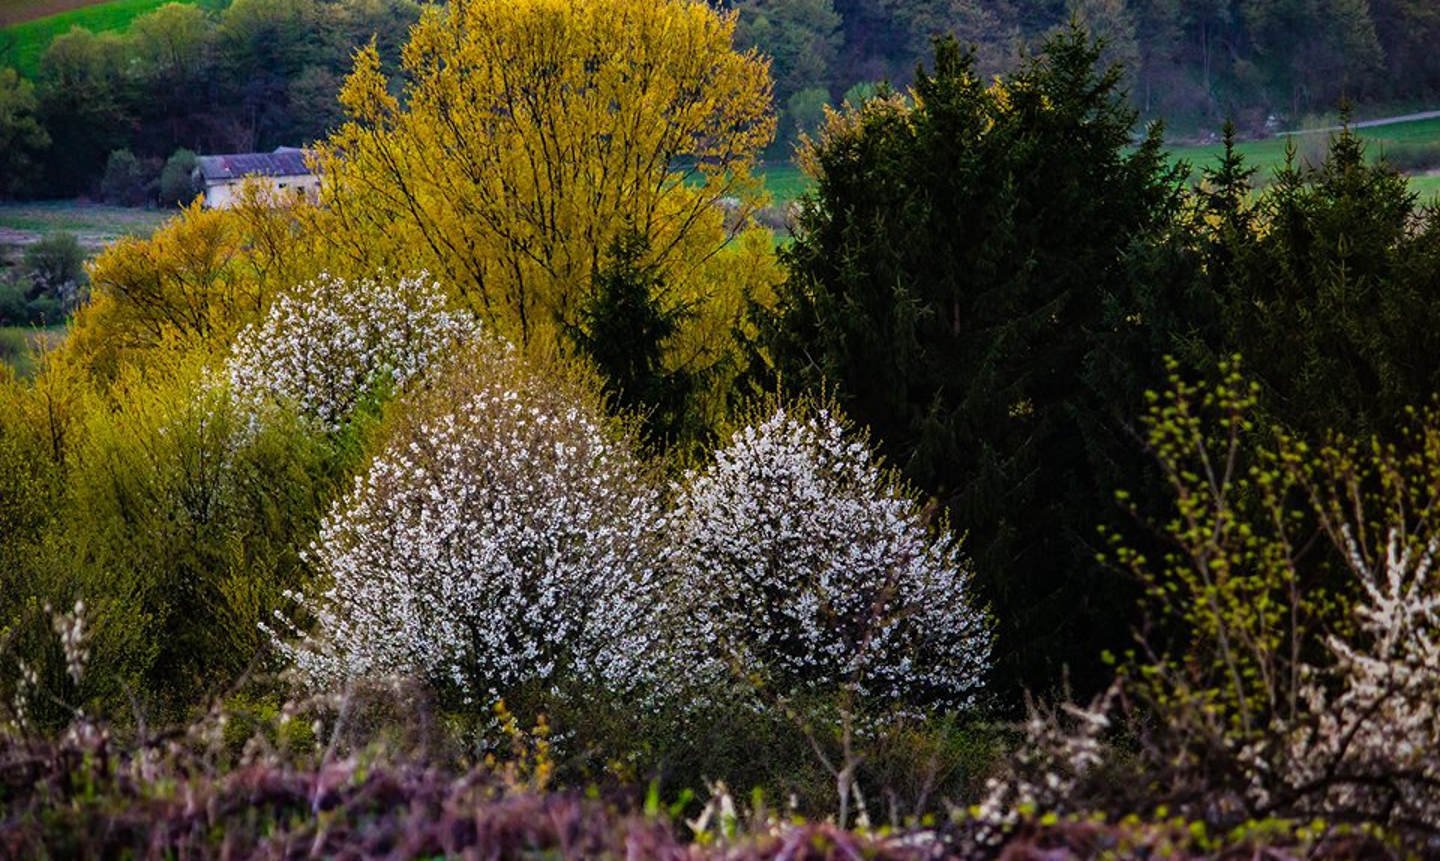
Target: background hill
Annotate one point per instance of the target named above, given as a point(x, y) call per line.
point(29, 26)
point(227, 75)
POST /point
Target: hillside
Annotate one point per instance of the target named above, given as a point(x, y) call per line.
point(28, 10)
point(28, 26)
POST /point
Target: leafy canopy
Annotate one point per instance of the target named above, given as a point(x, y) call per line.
point(532, 135)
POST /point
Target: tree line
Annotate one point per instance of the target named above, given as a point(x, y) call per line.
point(212, 77)
point(1191, 63)
point(253, 74)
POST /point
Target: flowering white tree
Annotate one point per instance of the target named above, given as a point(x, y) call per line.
point(505, 535)
point(326, 345)
point(1371, 745)
point(811, 567)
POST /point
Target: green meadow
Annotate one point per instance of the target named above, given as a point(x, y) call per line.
point(22, 45)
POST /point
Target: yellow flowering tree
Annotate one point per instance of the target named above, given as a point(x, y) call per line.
point(531, 134)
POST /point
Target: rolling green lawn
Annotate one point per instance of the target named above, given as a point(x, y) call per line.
point(22, 45)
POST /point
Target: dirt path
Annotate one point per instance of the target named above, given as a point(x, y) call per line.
point(1370, 124)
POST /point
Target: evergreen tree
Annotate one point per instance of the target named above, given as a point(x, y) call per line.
point(1331, 284)
point(623, 332)
point(968, 277)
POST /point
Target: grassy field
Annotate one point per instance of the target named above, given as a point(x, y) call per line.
point(22, 44)
point(1269, 154)
point(93, 224)
point(1427, 186)
point(786, 182)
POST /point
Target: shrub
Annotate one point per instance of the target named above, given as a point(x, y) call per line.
point(809, 565)
point(12, 344)
point(504, 536)
point(1369, 746)
point(56, 268)
point(177, 184)
point(125, 179)
point(177, 523)
point(328, 345)
point(1289, 663)
point(14, 308)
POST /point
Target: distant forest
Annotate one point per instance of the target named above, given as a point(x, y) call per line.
point(253, 74)
point(1192, 62)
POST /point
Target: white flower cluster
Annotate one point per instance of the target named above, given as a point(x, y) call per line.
point(808, 564)
point(1062, 749)
point(1374, 745)
point(506, 535)
point(326, 345)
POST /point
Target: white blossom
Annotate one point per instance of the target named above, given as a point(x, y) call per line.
point(1061, 750)
point(328, 344)
point(808, 565)
point(1372, 742)
point(506, 535)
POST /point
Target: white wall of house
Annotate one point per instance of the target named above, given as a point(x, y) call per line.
point(225, 193)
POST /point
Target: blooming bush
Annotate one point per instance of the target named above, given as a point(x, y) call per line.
point(1372, 745)
point(328, 344)
point(809, 565)
point(505, 535)
point(1302, 674)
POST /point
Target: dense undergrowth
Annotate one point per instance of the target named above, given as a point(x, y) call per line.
point(85, 796)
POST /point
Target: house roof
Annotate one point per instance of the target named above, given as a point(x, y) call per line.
point(285, 161)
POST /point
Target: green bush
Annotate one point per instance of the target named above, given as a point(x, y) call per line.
point(177, 183)
point(125, 179)
point(55, 264)
point(12, 342)
point(194, 519)
point(14, 307)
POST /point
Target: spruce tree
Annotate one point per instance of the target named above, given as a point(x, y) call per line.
point(966, 277)
point(623, 330)
point(1331, 286)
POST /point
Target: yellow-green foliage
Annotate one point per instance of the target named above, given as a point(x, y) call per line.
point(195, 282)
point(1257, 573)
point(532, 134)
point(1229, 580)
point(1235, 588)
point(179, 523)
